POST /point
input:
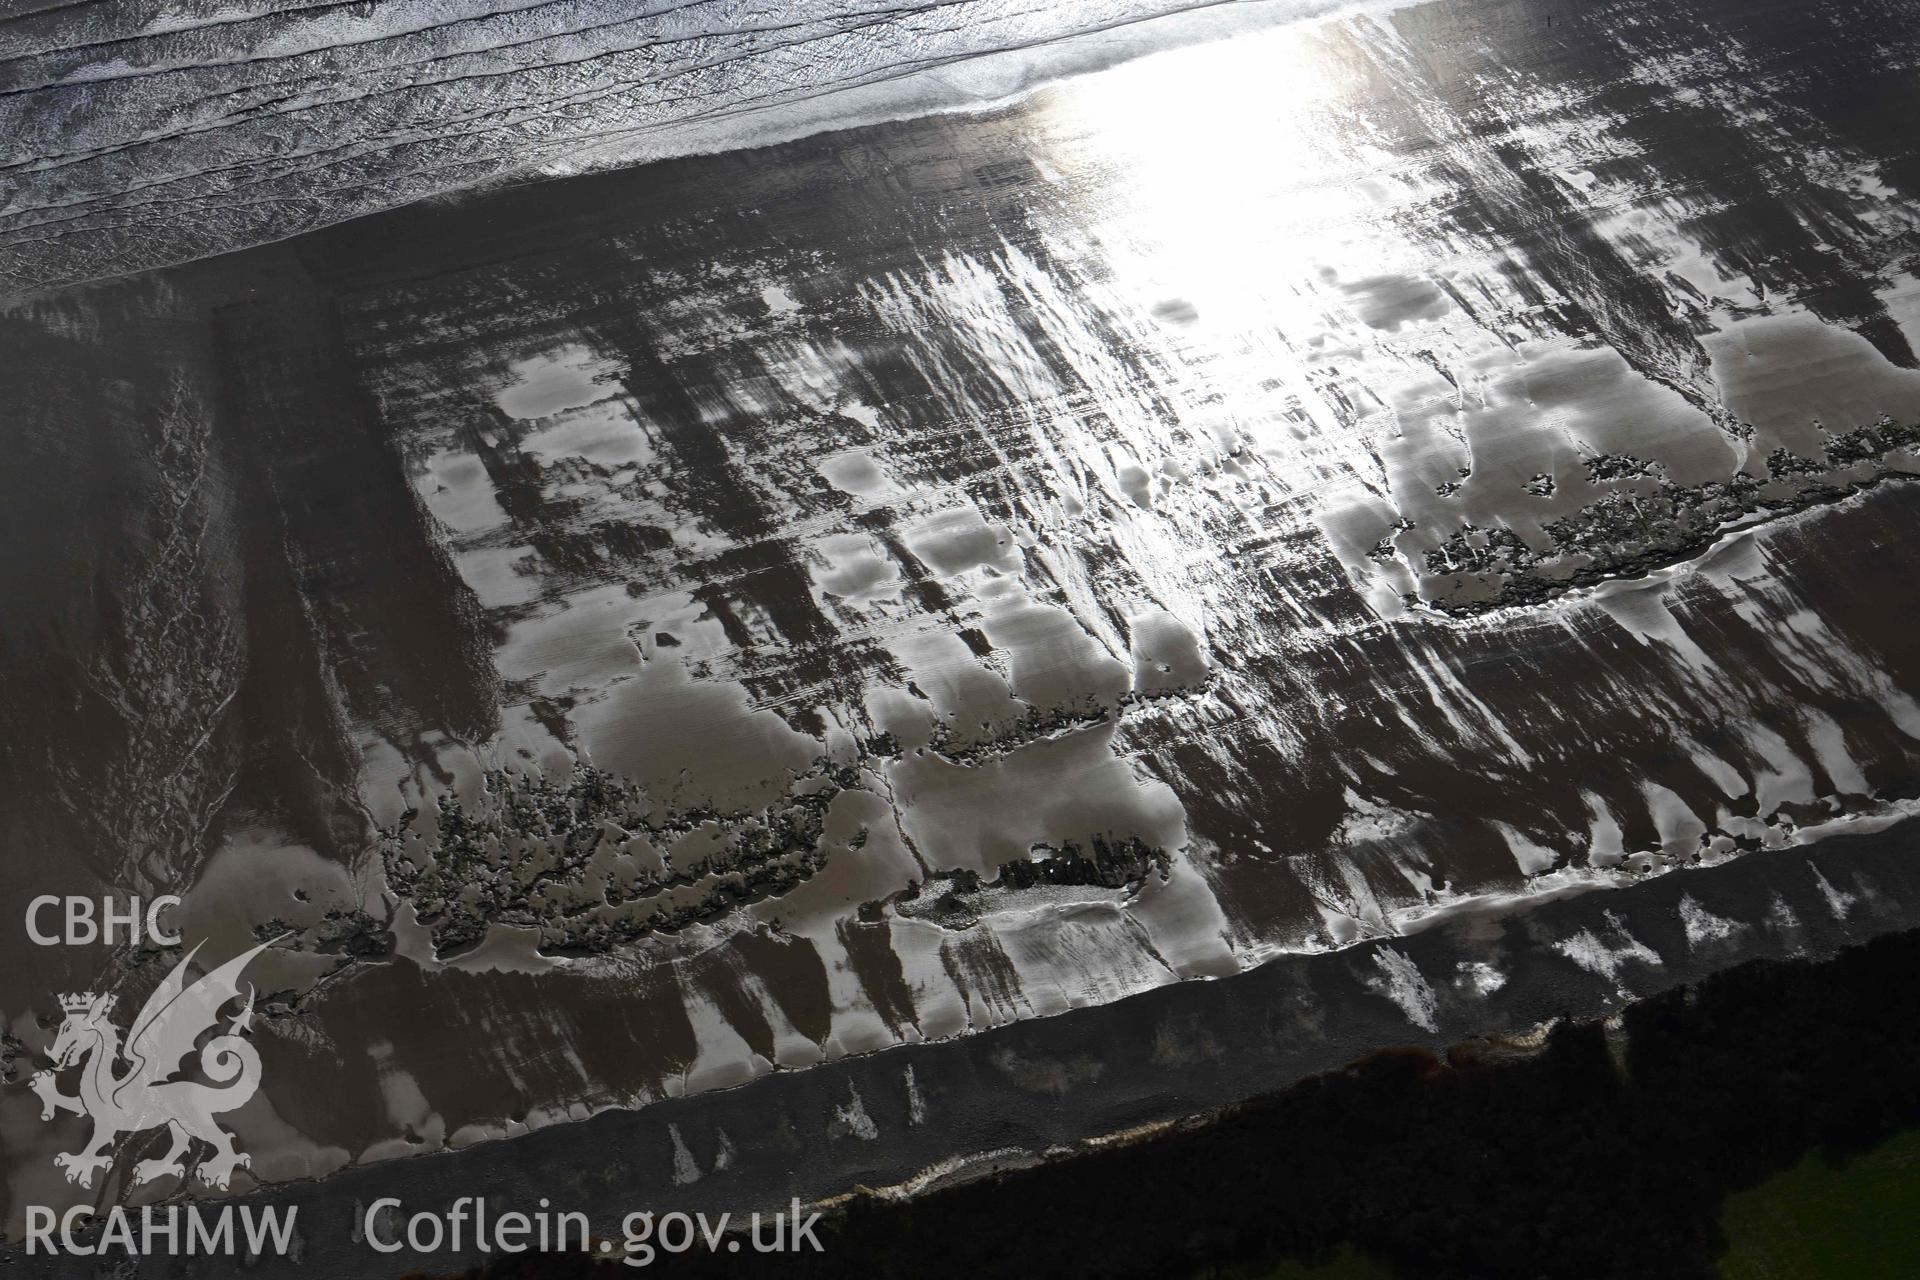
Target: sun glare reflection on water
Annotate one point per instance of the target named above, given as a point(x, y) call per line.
point(1226, 190)
point(1287, 207)
point(1231, 192)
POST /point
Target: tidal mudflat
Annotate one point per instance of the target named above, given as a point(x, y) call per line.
point(1404, 514)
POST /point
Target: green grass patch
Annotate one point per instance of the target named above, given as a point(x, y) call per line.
point(1830, 1218)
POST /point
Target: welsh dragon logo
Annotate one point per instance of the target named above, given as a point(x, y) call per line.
point(145, 1095)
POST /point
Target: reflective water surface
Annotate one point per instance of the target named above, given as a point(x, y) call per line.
point(1307, 492)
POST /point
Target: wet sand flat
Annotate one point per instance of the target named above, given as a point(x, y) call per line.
point(1412, 517)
